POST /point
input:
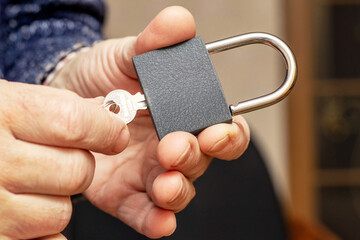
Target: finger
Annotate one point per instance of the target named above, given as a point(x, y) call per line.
point(32, 168)
point(53, 237)
point(181, 151)
point(225, 141)
point(150, 220)
point(31, 216)
point(61, 118)
point(172, 25)
point(159, 223)
point(172, 191)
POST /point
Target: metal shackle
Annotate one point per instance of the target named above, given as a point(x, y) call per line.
point(272, 41)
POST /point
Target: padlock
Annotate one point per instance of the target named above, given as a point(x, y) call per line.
point(182, 90)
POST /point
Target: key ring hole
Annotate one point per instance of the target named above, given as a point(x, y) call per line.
point(115, 108)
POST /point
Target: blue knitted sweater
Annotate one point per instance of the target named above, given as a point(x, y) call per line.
point(33, 33)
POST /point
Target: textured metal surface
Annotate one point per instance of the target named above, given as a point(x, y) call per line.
point(181, 88)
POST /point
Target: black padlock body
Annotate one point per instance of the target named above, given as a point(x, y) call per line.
point(181, 88)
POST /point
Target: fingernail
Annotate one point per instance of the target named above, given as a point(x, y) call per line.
point(183, 157)
point(123, 139)
point(178, 194)
point(220, 145)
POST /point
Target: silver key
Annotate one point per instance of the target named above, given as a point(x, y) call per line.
point(124, 105)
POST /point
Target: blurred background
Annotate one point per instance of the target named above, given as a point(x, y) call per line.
point(310, 142)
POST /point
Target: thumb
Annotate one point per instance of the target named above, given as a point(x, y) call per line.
point(172, 25)
point(110, 62)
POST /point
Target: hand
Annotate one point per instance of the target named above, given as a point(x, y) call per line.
point(149, 181)
point(44, 134)
point(108, 64)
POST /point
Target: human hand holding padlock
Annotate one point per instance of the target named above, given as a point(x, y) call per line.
point(149, 181)
point(182, 90)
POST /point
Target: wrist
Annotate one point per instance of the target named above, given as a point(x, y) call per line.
point(56, 75)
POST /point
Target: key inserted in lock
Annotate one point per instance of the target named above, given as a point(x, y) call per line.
point(182, 90)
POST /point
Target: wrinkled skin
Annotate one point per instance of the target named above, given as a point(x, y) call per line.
point(45, 136)
point(150, 180)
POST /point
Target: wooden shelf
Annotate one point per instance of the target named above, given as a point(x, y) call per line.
point(306, 178)
point(334, 2)
point(338, 178)
point(337, 87)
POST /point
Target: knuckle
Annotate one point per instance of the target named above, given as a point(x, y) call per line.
point(10, 163)
point(22, 224)
point(69, 122)
point(54, 219)
point(81, 171)
point(5, 213)
point(110, 139)
point(64, 215)
point(116, 138)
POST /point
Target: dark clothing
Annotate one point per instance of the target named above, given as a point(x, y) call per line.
point(234, 200)
point(34, 32)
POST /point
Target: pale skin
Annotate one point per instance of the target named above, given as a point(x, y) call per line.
point(44, 134)
point(141, 181)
